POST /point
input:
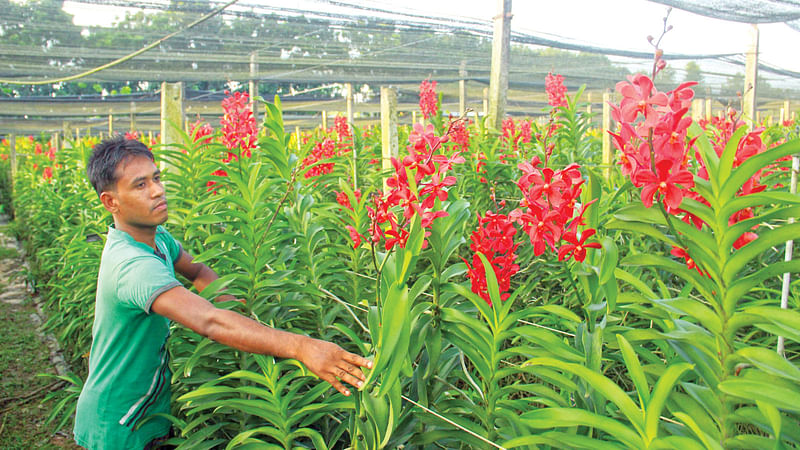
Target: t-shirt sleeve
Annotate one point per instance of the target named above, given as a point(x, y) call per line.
point(142, 279)
point(173, 246)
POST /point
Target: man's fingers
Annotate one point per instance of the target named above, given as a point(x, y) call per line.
point(349, 379)
point(338, 386)
point(352, 370)
point(357, 360)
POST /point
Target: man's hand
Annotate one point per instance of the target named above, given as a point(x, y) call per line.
point(332, 363)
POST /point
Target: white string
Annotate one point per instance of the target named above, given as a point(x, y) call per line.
point(430, 411)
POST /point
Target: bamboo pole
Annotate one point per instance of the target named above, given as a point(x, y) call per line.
point(788, 256)
point(501, 49)
point(389, 145)
point(607, 155)
point(751, 80)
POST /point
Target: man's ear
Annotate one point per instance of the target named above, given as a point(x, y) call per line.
point(109, 200)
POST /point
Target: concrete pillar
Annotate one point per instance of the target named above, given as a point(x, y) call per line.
point(498, 81)
point(172, 115)
point(389, 145)
point(750, 79)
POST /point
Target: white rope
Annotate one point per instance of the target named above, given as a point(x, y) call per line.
point(432, 412)
point(347, 306)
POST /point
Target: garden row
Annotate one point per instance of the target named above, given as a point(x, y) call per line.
point(509, 293)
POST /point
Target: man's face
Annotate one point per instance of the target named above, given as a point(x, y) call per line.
point(139, 198)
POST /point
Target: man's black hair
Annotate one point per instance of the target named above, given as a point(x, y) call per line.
point(107, 155)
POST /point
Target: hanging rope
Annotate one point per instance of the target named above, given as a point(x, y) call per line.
point(124, 58)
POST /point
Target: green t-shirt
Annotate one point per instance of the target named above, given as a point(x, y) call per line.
point(128, 373)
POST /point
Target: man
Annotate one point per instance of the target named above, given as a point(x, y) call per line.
point(137, 296)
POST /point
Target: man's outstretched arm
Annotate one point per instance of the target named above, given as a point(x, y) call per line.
point(327, 360)
point(198, 273)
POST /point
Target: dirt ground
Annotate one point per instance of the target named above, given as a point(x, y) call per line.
point(24, 355)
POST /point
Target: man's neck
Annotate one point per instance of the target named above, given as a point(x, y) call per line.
point(145, 235)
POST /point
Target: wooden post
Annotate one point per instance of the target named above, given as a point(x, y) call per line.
point(348, 95)
point(389, 146)
point(708, 110)
point(462, 88)
point(66, 129)
point(789, 250)
point(12, 142)
point(133, 116)
point(253, 85)
point(607, 150)
point(485, 101)
point(56, 141)
point(785, 109)
point(150, 137)
point(172, 116)
point(324, 120)
point(589, 103)
point(297, 136)
point(413, 118)
point(102, 135)
point(77, 134)
point(110, 125)
point(750, 80)
point(349, 98)
point(498, 81)
point(697, 109)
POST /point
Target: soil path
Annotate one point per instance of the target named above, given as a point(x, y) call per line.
point(25, 352)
